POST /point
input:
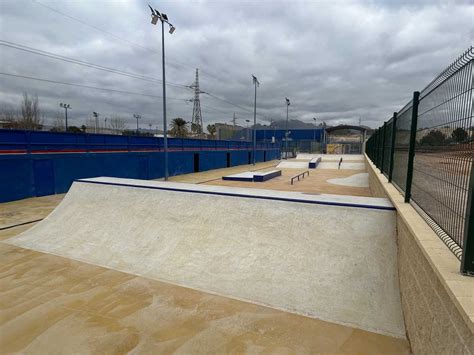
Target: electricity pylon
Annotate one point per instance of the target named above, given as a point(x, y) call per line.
point(196, 122)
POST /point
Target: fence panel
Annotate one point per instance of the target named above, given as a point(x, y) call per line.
point(402, 143)
point(387, 147)
point(444, 150)
point(440, 186)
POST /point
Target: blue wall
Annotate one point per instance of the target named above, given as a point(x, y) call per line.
point(34, 164)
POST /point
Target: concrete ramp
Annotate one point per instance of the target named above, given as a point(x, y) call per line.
point(344, 165)
point(356, 180)
point(331, 258)
point(330, 157)
point(292, 164)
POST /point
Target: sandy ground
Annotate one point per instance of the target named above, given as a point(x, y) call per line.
point(94, 309)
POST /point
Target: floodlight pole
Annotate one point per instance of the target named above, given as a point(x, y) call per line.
point(165, 125)
point(314, 132)
point(96, 116)
point(286, 133)
point(66, 107)
point(155, 16)
point(256, 83)
point(137, 116)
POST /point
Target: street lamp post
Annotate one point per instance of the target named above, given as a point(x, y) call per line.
point(255, 83)
point(325, 138)
point(314, 132)
point(137, 116)
point(286, 133)
point(155, 16)
point(247, 130)
point(96, 116)
point(66, 107)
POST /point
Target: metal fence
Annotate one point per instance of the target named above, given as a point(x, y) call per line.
point(427, 150)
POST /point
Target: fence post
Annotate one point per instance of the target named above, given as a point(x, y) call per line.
point(383, 147)
point(411, 149)
point(392, 147)
point(467, 260)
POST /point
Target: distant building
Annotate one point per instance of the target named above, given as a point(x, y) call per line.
point(226, 131)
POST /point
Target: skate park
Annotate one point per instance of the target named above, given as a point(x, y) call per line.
point(200, 263)
point(261, 254)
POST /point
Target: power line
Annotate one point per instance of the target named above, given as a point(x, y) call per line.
point(142, 47)
point(84, 63)
point(234, 104)
point(97, 88)
point(86, 86)
point(117, 37)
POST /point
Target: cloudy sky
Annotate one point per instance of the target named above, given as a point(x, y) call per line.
point(338, 61)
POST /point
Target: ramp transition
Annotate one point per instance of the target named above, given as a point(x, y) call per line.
point(286, 250)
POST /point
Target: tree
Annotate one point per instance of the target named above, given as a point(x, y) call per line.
point(58, 125)
point(83, 129)
point(8, 117)
point(74, 129)
point(211, 128)
point(179, 128)
point(459, 135)
point(433, 138)
point(117, 123)
point(196, 128)
point(30, 113)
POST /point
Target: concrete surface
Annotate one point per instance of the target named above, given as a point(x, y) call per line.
point(217, 174)
point(344, 165)
point(358, 180)
point(346, 275)
point(292, 164)
point(54, 305)
point(245, 175)
point(14, 213)
point(331, 157)
point(315, 183)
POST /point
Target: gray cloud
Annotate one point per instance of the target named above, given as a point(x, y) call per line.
point(336, 60)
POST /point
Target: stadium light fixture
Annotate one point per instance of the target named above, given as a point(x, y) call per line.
point(66, 107)
point(155, 16)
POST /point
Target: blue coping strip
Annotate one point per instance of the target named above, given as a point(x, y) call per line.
point(236, 178)
point(285, 199)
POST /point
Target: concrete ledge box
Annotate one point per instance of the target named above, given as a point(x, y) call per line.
point(313, 163)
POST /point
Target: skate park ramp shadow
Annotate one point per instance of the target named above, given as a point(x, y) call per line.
point(286, 250)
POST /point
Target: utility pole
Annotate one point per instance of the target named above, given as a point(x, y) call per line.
point(286, 131)
point(325, 138)
point(105, 125)
point(66, 107)
point(196, 121)
point(234, 120)
point(247, 131)
point(155, 16)
point(314, 132)
point(96, 116)
point(137, 116)
point(255, 83)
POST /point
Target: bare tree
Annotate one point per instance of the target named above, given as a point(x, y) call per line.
point(30, 113)
point(117, 123)
point(58, 125)
point(8, 117)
